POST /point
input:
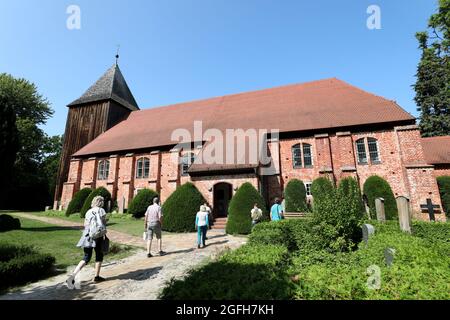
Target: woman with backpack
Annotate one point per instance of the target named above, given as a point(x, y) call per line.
point(93, 239)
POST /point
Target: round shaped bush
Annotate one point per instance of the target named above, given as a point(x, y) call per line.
point(239, 210)
point(181, 207)
point(377, 187)
point(97, 192)
point(444, 190)
point(77, 201)
point(8, 223)
point(138, 206)
point(295, 195)
point(321, 188)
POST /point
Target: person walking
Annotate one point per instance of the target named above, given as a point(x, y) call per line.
point(208, 210)
point(92, 239)
point(276, 211)
point(201, 224)
point(153, 226)
point(256, 214)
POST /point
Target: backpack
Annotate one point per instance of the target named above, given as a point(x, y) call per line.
point(96, 227)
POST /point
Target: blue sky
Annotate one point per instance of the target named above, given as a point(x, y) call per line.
point(175, 51)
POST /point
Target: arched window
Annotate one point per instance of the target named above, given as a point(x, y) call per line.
point(296, 156)
point(361, 151)
point(143, 168)
point(186, 161)
point(307, 155)
point(372, 144)
point(103, 170)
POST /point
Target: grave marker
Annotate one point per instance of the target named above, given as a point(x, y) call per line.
point(404, 215)
point(368, 230)
point(431, 209)
point(379, 206)
point(389, 255)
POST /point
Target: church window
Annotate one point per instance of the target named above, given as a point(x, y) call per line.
point(103, 170)
point(186, 161)
point(143, 168)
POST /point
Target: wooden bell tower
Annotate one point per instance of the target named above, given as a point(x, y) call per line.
point(105, 104)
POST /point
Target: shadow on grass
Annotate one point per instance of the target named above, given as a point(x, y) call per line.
point(49, 229)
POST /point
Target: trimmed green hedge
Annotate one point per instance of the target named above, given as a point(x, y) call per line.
point(321, 188)
point(20, 265)
point(295, 195)
point(444, 190)
point(239, 210)
point(377, 187)
point(78, 200)
point(97, 192)
point(252, 272)
point(8, 223)
point(181, 207)
point(138, 206)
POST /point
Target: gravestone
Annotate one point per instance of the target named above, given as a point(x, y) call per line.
point(379, 206)
point(404, 215)
point(121, 205)
point(431, 209)
point(389, 255)
point(368, 230)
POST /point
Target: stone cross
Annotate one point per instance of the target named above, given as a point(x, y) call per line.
point(379, 206)
point(431, 209)
point(404, 216)
point(368, 230)
point(389, 255)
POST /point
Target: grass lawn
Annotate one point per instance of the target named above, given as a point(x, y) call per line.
point(118, 222)
point(57, 241)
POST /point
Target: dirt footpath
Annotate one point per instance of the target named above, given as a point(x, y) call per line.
point(136, 277)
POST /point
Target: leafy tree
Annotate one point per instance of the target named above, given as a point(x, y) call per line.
point(321, 188)
point(9, 145)
point(239, 210)
point(337, 216)
point(295, 195)
point(433, 74)
point(31, 110)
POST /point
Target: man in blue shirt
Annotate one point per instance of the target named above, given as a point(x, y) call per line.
point(276, 211)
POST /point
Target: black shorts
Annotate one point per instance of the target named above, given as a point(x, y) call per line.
point(98, 252)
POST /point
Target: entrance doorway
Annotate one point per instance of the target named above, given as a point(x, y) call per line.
point(222, 197)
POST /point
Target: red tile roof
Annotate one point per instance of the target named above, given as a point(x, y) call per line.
point(437, 149)
point(323, 104)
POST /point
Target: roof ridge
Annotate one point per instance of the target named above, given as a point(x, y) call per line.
point(223, 97)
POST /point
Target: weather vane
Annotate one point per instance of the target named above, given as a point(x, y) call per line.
point(117, 54)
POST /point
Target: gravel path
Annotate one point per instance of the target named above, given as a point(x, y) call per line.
point(134, 278)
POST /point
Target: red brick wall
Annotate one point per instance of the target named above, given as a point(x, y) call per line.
point(206, 184)
point(441, 170)
point(402, 165)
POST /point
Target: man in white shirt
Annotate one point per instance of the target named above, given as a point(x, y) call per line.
point(153, 225)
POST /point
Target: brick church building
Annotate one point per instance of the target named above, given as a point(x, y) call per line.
point(326, 128)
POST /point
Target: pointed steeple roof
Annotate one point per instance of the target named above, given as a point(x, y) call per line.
point(111, 85)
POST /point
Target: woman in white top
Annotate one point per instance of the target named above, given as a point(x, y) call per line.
point(202, 224)
point(88, 244)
